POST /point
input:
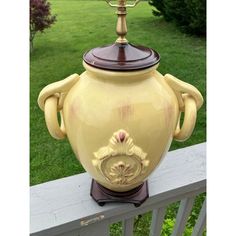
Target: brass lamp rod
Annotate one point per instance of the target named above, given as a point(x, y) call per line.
point(121, 27)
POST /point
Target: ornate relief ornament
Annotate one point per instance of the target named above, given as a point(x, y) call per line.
point(120, 161)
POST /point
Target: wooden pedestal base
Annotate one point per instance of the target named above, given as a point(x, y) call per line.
point(103, 195)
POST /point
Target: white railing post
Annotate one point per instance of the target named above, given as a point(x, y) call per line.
point(157, 221)
point(201, 221)
point(182, 216)
point(128, 226)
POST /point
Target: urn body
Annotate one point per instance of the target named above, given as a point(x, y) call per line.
point(120, 124)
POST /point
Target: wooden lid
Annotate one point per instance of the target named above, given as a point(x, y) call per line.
point(121, 57)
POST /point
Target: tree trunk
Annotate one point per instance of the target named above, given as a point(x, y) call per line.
point(31, 46)
point(32, 34)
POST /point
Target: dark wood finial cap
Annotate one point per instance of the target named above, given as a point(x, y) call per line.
point(121, 57)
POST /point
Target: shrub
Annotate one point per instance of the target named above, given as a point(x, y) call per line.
point(189, 15)
point(40, 17)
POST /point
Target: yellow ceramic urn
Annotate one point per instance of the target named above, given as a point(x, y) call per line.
point(121, 114)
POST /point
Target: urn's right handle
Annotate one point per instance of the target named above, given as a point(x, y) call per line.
point(190, 100)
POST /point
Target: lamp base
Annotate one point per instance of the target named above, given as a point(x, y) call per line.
point(103, 195)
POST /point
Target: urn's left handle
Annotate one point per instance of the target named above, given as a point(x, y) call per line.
point(51, 100)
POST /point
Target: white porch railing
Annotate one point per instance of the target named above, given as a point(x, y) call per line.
point(64, 207)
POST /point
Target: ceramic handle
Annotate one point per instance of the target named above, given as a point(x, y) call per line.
point(51, 100)
point(190, 100)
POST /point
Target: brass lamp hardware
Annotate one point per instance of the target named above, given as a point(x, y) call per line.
point(121, 27)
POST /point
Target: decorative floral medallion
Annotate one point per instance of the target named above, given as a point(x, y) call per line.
point(120, 161)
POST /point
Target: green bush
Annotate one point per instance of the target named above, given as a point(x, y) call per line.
point(168, 226)
point(189, 15)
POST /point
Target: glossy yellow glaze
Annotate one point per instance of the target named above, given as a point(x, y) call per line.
point(120, 124)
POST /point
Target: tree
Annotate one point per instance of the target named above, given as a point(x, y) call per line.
point(40, 18)
point(189, 15)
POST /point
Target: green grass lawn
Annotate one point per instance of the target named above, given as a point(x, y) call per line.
point(80, 26)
